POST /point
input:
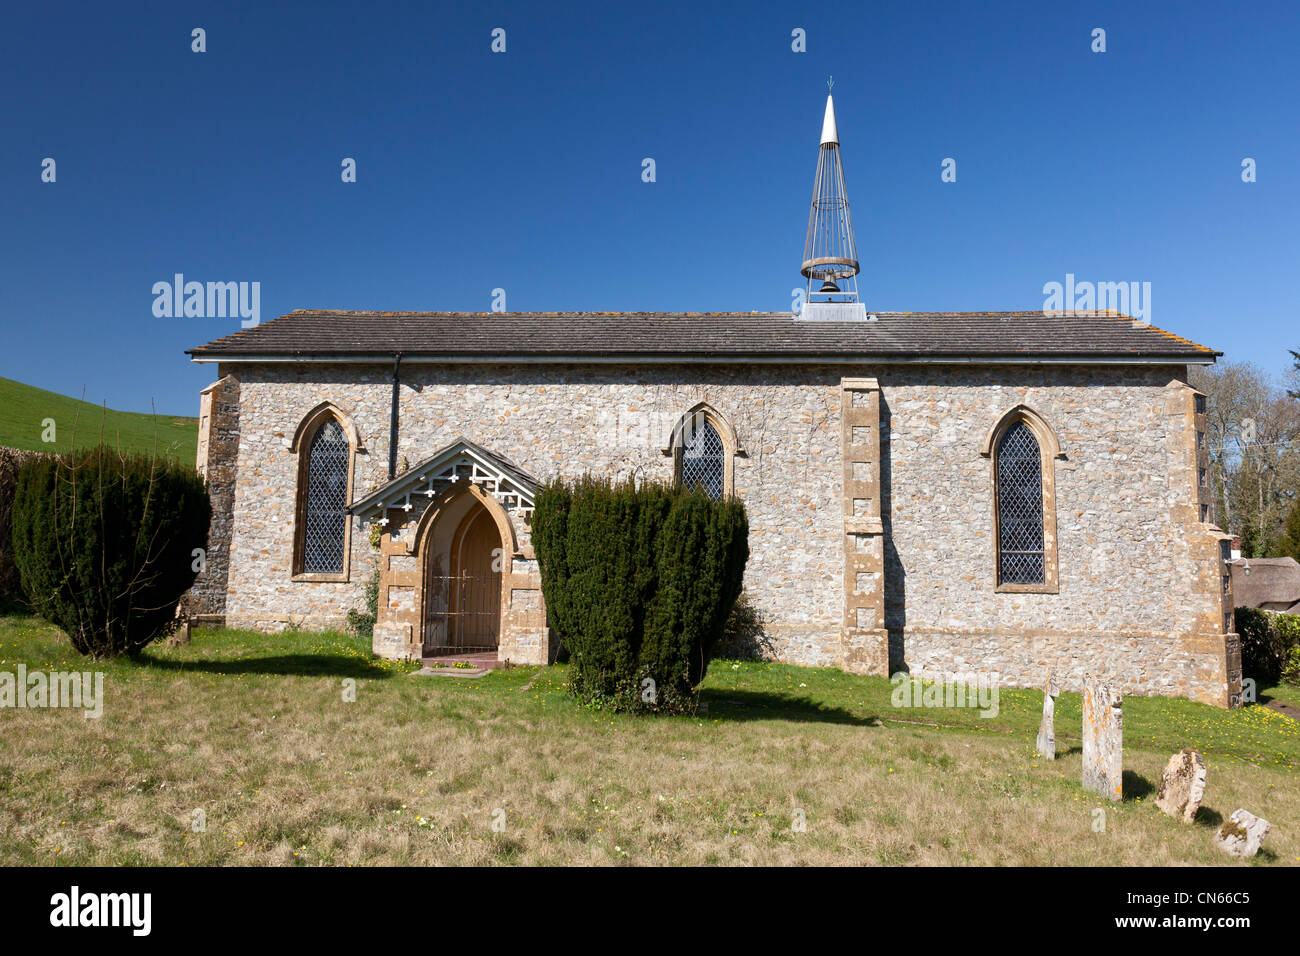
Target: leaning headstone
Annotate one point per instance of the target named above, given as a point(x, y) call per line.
point(1242, 833)
point(1046, 743)
point(1103, 739)
point(1182, 785)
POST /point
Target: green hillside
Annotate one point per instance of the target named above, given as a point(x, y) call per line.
point(24, 409)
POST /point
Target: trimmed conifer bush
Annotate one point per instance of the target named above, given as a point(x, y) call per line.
point(745, 637)
point(104, 544)
point(639, 582)
point(11, 462)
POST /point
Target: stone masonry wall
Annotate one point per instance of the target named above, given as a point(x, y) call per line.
point(1139, 601)
point(550, 421)
point(1138, 597)
point(218, 449)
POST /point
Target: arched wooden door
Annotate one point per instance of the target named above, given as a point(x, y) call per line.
point(475, 588)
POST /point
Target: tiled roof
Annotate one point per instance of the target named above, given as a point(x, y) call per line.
point(578, 336)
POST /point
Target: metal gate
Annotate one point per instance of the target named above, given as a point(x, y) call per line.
point(462, 613)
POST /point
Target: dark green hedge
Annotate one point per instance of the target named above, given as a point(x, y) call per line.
point(11, 462)
point(104, 544)
point(1267, 640)
point(638, 582)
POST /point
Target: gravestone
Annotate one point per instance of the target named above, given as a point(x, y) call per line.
point(1046, 743)
point(1182, 785)
point(1103, 739)
point(1242, 833)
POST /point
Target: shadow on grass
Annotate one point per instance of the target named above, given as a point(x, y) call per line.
point(1206, 817)
point(1136, 786)
point(281, 665)
point(738, 705)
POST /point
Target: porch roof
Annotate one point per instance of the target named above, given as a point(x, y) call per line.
point(501, 477)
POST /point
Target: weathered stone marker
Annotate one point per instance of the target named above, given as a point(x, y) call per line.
point(1047, 730)
point(1182, 785)
point(1103, 739)
point(1242, 833)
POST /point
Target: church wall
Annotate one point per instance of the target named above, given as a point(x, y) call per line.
point(1138, 597)
point(261, 592)
point(217, 462)
point(554, 421)
point(1140, 594)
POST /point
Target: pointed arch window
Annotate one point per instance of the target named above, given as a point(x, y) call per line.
point(1021, 556)
point(1024, 449)
point(703, 447)
point(704, 460)
point(325, 445)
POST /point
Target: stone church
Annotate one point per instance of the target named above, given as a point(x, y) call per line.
point(993, 492)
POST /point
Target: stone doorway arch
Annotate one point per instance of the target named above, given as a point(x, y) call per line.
point(462, 556)
point(437, 521)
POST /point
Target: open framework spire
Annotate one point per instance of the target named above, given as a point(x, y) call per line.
point(830, 255)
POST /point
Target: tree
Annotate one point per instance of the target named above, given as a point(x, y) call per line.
point(1290, 543)
point(1253, 430)
point(639, 581)
point(106, 544)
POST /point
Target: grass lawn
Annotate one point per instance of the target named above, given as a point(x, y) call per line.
point(254, 731)
point(1283, 693)
point(24, 408)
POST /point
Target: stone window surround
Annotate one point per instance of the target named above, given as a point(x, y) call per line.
point(730, 444)
point(1050, 450)
point(301, 447)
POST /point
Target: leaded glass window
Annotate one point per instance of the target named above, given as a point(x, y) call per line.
point(1021, 555)
point(326, 498)
point(704, 457)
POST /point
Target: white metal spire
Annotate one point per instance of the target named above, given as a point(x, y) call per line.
point(829, 133)
point(830, 255)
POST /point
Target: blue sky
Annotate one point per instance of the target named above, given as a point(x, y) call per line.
point(522, 170)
